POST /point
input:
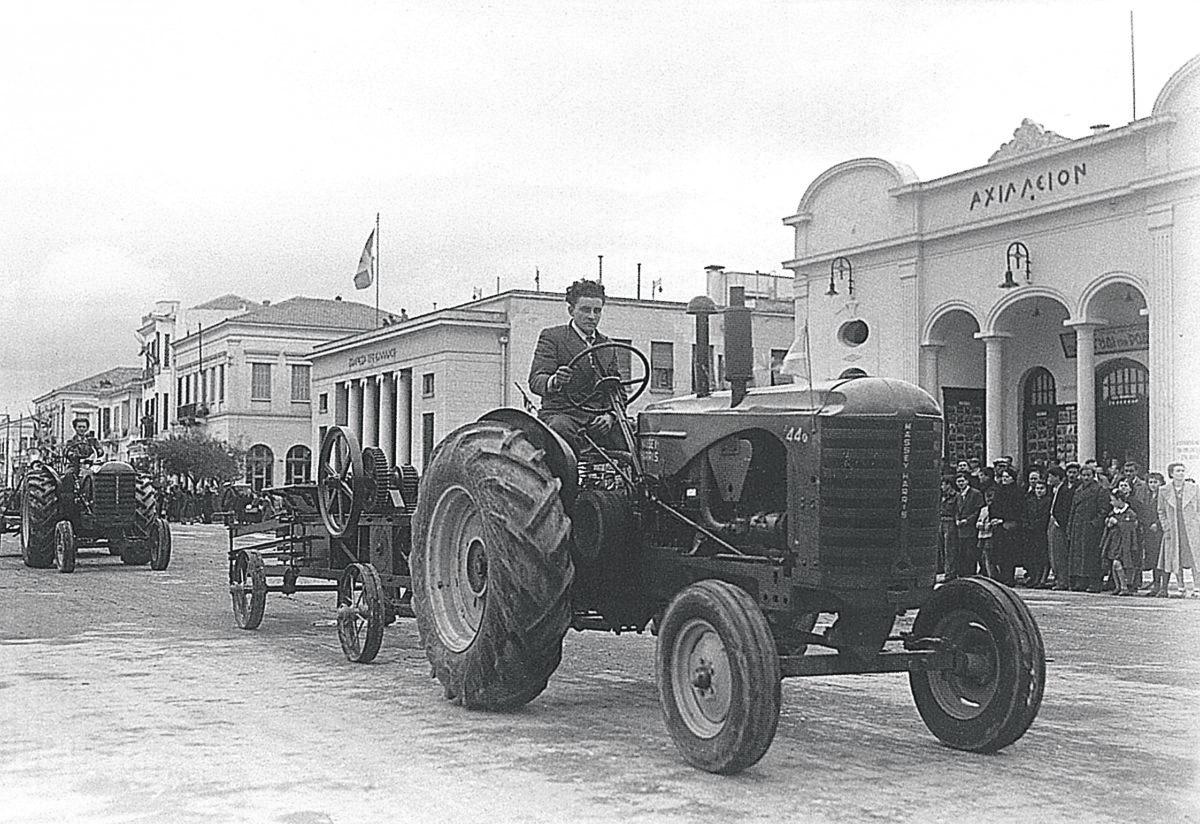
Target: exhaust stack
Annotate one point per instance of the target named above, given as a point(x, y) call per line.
point(739, 345)
point(702, 306)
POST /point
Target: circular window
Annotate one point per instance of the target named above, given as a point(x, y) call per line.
point(852, 373)
point(854, 332)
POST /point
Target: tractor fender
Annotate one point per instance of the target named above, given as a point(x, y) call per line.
point(560, 458)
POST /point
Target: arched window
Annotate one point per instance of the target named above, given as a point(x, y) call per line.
point(298, 463)
point(851, 373)
point(260, 466)
point(1039, 388)
point(1126, 382)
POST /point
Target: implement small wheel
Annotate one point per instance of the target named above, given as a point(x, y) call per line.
point(160, 544)
point(64, 546)
point(990, 698)
point(248, 588)
point(718, 677)
point(360, 612)
point(341, 481)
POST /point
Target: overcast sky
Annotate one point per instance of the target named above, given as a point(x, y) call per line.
point(164, 150)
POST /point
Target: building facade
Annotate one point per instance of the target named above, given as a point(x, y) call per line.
point(107, 400)
point(403, 387)
point(1047, 298)
point(246, 379)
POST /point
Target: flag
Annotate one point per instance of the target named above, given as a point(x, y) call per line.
point(796, 361)
point(366, 264)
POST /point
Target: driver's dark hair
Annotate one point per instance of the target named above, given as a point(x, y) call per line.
point(584, 288)
point(83, 421)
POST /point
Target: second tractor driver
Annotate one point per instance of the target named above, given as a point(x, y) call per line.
point(551, 377)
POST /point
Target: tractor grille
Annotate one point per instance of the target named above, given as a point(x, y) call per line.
point(115, 497)
point(880, 486)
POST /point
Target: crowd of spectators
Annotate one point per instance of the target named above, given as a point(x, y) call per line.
point(1073, 527)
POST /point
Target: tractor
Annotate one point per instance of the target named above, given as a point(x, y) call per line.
point(68, 503)
point(731, 523)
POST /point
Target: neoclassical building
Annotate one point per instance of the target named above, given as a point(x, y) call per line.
point(1049, 299)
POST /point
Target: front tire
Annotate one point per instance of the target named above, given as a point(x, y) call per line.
point(160, 545)
point(718, 677)
point(491, 567)
point(991, 697)
point(64, 546)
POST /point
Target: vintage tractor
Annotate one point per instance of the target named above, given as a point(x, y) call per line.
point(728, 526)
point(66, 503)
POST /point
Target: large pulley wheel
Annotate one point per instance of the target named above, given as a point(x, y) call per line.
point(360, 612)
point(608, 383)
point(248, 588)
point(491, 567)
point(341, 481)
point(718, 677)
point(64, 546)
point(992, 694)
point(160, 544)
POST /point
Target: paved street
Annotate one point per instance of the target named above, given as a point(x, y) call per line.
point(128, 695)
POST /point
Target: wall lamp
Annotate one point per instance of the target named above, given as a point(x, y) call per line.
point(840, 268)
point(1016, 256)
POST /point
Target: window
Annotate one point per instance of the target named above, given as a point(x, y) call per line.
point(166, 352)
point(854, 332)
point(662, 366)
point(166, 410)
point(300, 383)
point(777, 378)
point(105, 422)
point(221, 383)
point(427, 385)
point(179, 388)
point(260, 465)
point(323, 403)
point(426, 438)
point(298, 464)
point(624, 359)
point(260, 381)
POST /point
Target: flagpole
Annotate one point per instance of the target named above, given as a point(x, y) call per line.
point(377, 270)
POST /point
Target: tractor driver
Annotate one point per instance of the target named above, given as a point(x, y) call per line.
point(83, 445)
point(550, 376)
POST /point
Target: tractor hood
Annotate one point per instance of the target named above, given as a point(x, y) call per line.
point(114, 466)
point(855, 396)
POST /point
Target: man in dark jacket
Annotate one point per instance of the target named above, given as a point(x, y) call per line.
point(552, 378)
point(1089, 504)
point(1061, 491)
point(966, 514)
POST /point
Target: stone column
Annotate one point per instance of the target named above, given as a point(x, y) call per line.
point(387, 415)
point(1085, 389)
point(354, 424)
point(404, 417)
point(1163, 342)
point(931, 380)
point(907, 304)
point(341, 404)
point(371, 411)
point(994, 392)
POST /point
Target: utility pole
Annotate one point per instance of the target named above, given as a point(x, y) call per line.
point(639, 282)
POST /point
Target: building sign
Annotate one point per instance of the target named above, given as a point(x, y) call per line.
point(371, 358)
point(1112, 339)
point(1029, 188)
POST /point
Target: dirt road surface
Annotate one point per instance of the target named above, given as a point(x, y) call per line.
point(130, 696)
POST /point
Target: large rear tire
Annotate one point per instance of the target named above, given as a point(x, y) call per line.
point(990, 699)
point(39, 514)
point(491, 567)
point(718, 677)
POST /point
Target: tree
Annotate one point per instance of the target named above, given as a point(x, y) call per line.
point(196, 456)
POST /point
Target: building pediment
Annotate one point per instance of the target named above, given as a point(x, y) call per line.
point(1028, 137)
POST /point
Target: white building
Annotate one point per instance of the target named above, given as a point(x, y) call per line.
point(405, 386)
point(1086, 349)
point(107, 401)
point(245, 378)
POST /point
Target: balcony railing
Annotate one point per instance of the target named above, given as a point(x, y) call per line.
point(190, 414)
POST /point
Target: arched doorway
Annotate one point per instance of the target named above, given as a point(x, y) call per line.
point(297, 464)
point(1122, 412)
point(1039, 418)
point(260, 467)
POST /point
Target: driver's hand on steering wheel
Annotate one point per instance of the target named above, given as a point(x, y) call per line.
point(559, 380)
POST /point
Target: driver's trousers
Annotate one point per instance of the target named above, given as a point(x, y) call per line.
point(570, 424)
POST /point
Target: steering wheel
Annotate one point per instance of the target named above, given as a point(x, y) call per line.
point(608, 383)
point(341, 481)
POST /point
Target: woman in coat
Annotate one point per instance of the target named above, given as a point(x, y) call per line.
point(1089, 506)
point(1008, 508)
point(1179, 516)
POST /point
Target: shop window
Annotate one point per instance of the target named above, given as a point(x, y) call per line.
point(260, 466)
point(298, 464)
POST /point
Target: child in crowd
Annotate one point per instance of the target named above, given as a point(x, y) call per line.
point(1121, 542)
point(986, 525)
